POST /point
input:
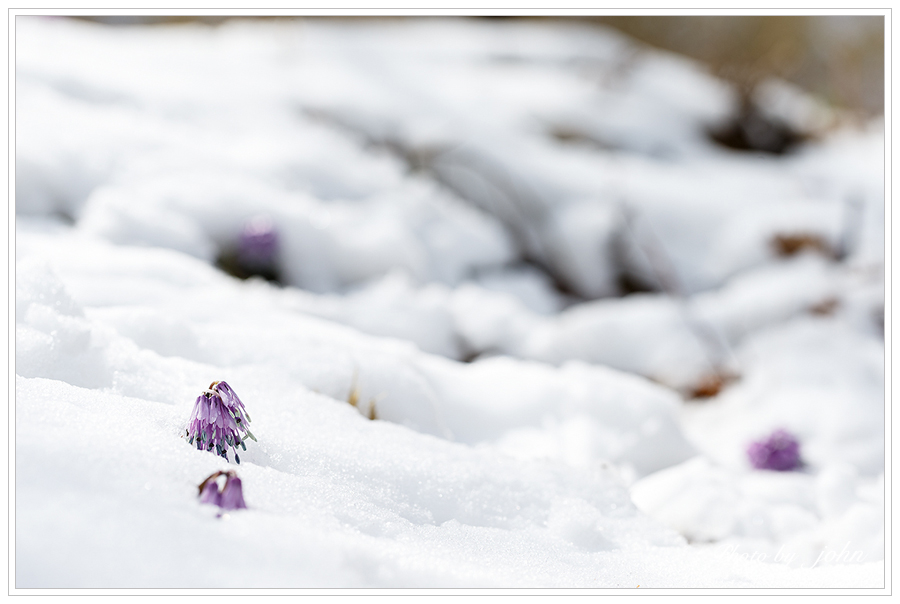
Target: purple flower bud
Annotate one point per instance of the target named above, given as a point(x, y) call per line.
point(258, 244)
point(780, 451)
point(231, 497)
point(219, 421)
point(209, 491)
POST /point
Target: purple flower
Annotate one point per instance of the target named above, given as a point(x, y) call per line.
point(780, 451)
point(258, 245)
point(231, 497)
point(219, 421)
point(209, 490)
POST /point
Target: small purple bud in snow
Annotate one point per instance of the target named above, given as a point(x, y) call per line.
point(231, 497)
point(209, 490)
point(219, 421)
point(258, 244)
point(780, 451)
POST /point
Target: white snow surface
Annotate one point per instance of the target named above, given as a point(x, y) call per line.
point(458, 204)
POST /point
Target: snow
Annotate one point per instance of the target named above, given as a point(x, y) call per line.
point(450, 388)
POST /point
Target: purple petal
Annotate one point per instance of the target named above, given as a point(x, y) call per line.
point(196, 408)
point(228, 394)
point(214, 405)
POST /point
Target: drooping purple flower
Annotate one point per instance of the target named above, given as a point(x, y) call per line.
point(231, 497)
point(219, 421)
point(780, 451)
point(258, 245)
point(209, 490)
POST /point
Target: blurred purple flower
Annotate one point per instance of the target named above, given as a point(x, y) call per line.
point(258, 245)
point(209, 490)
point(231, 497)
point(780, 451)
point(219, 421)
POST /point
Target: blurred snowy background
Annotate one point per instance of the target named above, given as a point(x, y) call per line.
point(507, 301)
